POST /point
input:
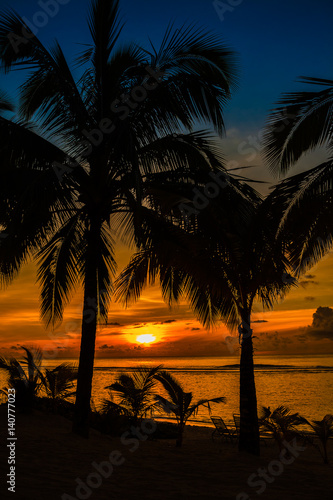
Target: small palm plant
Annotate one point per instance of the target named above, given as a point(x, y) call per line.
point(132, 395)
point(59, 383)
point(323, 430)
point(281, 423)
point(24, 376)
point(180, 402)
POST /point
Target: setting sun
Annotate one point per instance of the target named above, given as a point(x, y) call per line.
point(146, 338)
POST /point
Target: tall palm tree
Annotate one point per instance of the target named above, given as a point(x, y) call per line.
point(180, 403)
point(106, 152)
point(302, 122)
point(225, 262)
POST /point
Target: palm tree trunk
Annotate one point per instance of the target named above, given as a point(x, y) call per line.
point(88, 336)
point(179, 440)
point(325, 452)
point(249, 428)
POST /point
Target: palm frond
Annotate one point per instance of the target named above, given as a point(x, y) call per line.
point(193, 409)
point(172, 387)
point(5, 102)
point(184, 56)
point(301, 122)
point(134, 393)
point(310, 236)
point(106, 269)
point(59, 382)
point(61, 266)
point(105, 28)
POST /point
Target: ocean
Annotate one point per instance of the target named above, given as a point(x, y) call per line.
point(302, 383)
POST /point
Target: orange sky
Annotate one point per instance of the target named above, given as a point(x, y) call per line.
point(285, 330)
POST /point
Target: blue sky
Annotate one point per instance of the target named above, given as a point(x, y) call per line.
point(277, 41)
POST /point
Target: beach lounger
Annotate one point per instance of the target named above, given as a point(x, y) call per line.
point(237, 423)
point(221, 430)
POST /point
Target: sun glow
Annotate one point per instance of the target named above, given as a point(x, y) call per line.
point(146, 338)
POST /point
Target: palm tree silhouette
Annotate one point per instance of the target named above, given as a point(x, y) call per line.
point(180, 403)
point(133, 394)
point(323, 430)
point(302, 122)
point(105, 154)
point(282, 423)
point(24, 376)
point(58, 383)
point(226, 261)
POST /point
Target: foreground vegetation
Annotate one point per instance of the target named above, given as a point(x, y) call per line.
point(134, 397)
point(116, 155)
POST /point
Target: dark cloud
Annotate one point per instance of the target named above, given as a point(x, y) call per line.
point(109, 334)
point(114, 324)
point(309, 298)
point(106, 346)
point(272, 341)
point(323, 317)
point(305, 283)
point(309, 276)
point(260, 321)
point(167, 321)
point(192, 329)
point(322, 334)
point(322, 324)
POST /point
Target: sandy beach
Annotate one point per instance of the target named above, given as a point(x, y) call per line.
point(50, 459)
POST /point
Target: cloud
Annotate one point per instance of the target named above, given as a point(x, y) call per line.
point(106, 346)
point(167, 321)
point(114, 324)
point(305, 283)
point(309, 276)
point(192, 329)
point(272, 341)
point(260, 321)
point(323, 317)
point(322, 334)
point(109, 334)
point(309, 298)
point(322, 324)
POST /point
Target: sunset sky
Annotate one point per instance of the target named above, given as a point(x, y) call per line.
point(271, 56)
